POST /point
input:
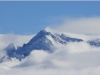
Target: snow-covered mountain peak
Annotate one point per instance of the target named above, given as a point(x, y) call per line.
point(43, 32)
point(44, 40)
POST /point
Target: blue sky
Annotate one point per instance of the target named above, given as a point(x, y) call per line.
point(31, 17)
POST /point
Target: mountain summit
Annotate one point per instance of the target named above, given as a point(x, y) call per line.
point(44, 40)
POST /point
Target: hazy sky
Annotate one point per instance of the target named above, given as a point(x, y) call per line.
point(31, 17)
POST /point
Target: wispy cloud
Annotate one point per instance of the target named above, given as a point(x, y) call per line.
point(83, 25)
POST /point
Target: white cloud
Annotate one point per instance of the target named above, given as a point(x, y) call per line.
point(72, 59)
point(73, 55)
point(83, 25)
point(13, 38)
point(62, 62)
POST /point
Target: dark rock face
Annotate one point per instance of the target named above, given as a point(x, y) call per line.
point(10, 50)
point(69, 39)
point(39, 42)
point(95, 43)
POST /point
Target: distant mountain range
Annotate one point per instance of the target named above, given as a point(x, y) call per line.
point(44, 40)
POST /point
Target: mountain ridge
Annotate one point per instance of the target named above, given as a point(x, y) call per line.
point(44, 40)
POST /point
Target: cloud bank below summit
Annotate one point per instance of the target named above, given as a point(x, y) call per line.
point(72, 59)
